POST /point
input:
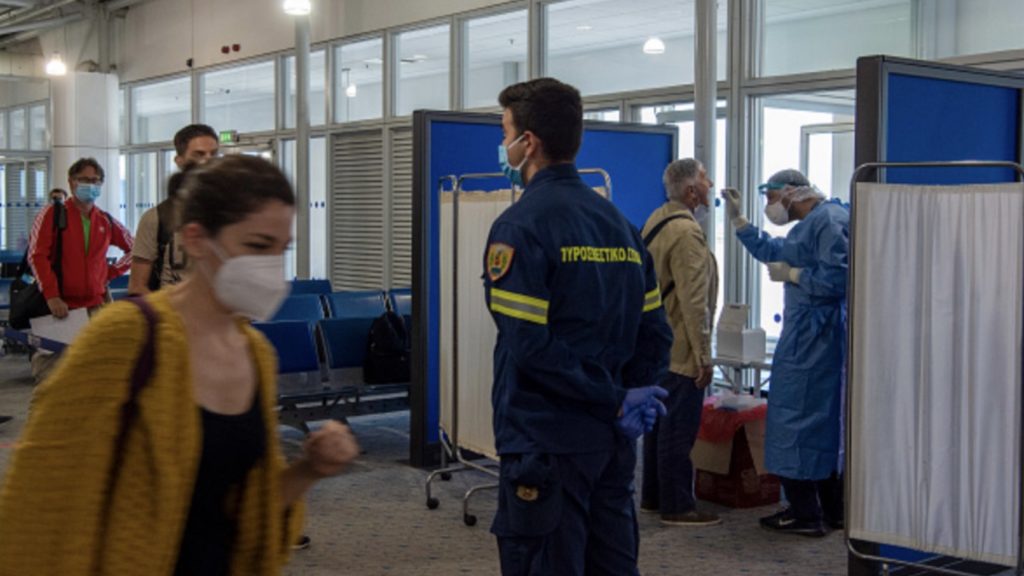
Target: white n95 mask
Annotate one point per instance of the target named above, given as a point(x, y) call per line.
point(777, 214)
point(252, 286)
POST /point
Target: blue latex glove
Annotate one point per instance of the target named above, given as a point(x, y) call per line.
point(640, 410)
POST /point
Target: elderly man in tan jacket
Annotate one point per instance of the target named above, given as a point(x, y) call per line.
point(688, 276)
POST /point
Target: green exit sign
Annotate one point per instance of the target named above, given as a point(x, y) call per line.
point(229, 137)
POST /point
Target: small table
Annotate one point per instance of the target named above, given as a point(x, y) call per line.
point(736, 366)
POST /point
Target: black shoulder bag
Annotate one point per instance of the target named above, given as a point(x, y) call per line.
point(27, 300)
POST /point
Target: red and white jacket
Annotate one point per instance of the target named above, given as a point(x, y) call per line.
point(85, 276)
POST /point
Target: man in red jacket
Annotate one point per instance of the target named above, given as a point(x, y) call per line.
point(88, 233)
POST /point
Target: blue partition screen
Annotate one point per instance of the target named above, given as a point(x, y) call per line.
point(633, 156)
point(935, 119)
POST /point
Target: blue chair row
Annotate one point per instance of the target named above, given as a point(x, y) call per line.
point(310, 389)
point(314, 286)
point(5, 298)
point(119, 283)
point(312, 307)
point(298, 345)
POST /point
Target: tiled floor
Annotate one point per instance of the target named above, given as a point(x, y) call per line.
point(373, 520)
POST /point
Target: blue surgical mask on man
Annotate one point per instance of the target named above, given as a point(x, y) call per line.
point(514, 173)
point(87, 193)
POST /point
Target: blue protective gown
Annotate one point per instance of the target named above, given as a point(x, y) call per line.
point(803, 435)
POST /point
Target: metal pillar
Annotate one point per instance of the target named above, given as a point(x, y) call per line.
point(302, 238)
point(705, 100)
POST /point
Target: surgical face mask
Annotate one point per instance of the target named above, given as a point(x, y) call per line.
point(514, 173)
point(88, 193)
point(777, 213)
point(252, 286)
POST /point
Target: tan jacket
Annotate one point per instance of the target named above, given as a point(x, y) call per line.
point(681, 255)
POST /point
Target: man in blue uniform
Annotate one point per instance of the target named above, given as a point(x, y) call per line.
point(582, 338)
point(803, 428)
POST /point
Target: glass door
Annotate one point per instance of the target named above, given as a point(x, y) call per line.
point(827, 156)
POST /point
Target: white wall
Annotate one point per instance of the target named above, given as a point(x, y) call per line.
point(23, 90)
point(160, 35)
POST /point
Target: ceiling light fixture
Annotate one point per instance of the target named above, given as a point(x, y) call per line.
point(56, 66)
point(654, 45)
point(298, 7)
point(351, 90)
point(584, 27)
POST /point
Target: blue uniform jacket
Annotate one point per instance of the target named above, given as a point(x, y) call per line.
point(575, 298)
point(803, 430)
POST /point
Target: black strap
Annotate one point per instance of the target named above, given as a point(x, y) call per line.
point(144, 367)
point(654, 231)
point(650, 238)
point(163, 238)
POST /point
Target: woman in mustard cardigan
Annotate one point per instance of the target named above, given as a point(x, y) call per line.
point(199, 485)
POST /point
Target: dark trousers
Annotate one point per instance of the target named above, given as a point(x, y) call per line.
point(568, 515)
point(668, 470)
point(815, 500)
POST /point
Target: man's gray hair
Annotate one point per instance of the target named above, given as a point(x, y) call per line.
point(680, 174)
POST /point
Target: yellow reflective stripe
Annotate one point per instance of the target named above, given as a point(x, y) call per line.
point(519, 306)
point(520, 298)
point(652, 300)
point(519, 314)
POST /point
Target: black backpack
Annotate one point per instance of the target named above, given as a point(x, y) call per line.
point(26, 300)
point(387, 351)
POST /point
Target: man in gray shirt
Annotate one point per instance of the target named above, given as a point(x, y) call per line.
point(157, 259)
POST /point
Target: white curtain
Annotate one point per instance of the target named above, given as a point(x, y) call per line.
point(935, 421)
point(477, 333)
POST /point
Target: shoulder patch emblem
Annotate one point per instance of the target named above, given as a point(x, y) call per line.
point(499, 260)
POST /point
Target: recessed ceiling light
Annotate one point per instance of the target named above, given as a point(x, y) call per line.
point(584, 27)
point(654, 45)
point(297, 7)
point(374, 61)
point(56, 66)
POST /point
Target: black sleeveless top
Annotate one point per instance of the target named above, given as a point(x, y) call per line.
point(232, 445)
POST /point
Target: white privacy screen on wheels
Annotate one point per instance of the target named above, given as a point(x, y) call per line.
point(477, 333)
point(935, 377)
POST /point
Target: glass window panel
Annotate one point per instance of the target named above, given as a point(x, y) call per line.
point(19, 131)
point(122, 121)
point(359, 81)
point(161, 109)
point(240, 98)
point(422, 58)
point(830, 161)
point(3, 207)
point(122, 190)
point(496, 53)
point(317, 81)
point(145, 186)
point(606, 115)
point(816, 35)
point(3, 130)
point(38, 129)
point(317, 205)
point(599, 45)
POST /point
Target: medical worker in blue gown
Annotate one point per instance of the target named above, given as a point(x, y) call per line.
point(803, 434)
